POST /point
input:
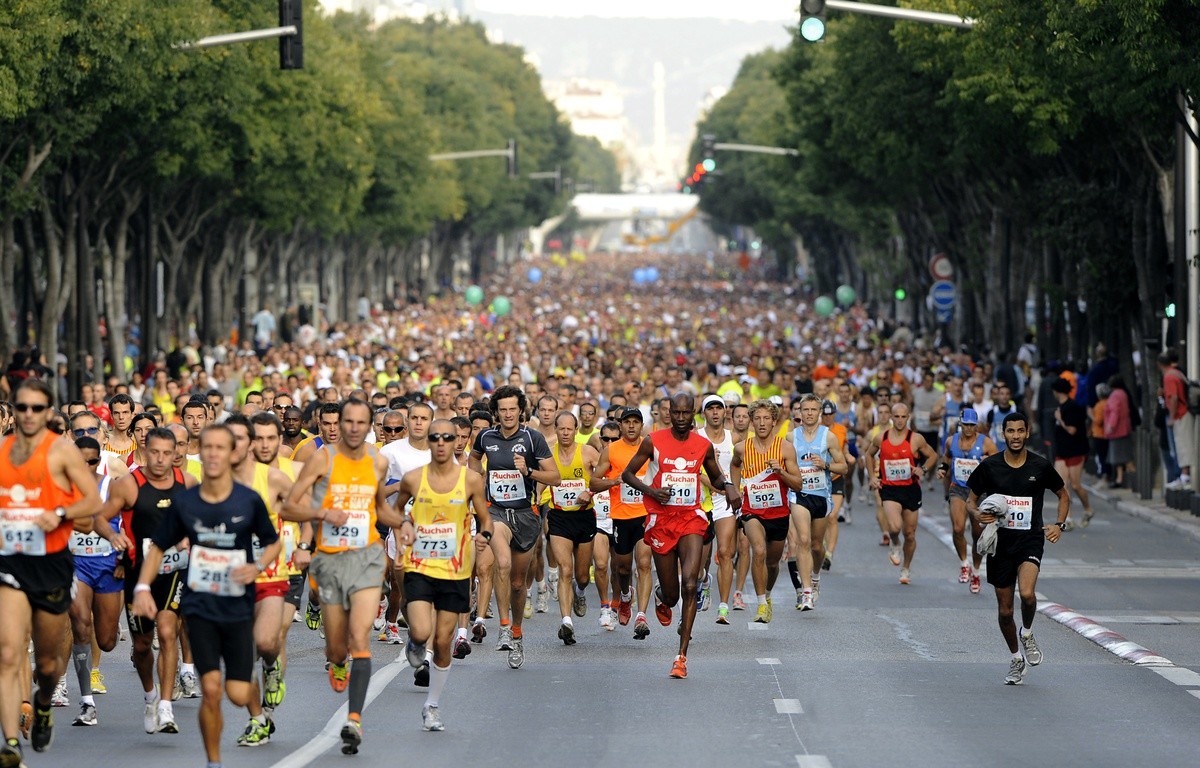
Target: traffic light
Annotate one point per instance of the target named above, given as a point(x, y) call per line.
point(511, 158)
point(291, 47)
point(812, 20)
point(708, 150)
point(901, 294)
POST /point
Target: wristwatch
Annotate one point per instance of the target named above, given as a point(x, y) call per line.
point(304, 546)
point(486, 534)
point(1062, 526)
point(61, 513)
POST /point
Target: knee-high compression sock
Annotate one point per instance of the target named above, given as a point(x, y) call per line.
point(794, 573)
point(360, 679)
point(81, 657)
point(437, 682)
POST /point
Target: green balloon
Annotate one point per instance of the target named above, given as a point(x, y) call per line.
point(824, 306)
point(501, 306)
point(474, 295)
point(846, 295)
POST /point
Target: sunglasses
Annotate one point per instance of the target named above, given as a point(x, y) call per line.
point(610, 439)
point(442, 437)
point(93, 462)
point(392, 430)
point(82, 431)
point(26, 407)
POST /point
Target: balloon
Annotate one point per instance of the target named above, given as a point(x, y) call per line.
point(501, 306)
point(846, 295)
point(535, 275)
point(474, 295)
point(652, 274)
point(639, 276)
point(824, 306)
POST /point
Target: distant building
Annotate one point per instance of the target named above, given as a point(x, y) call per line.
point(383, 11)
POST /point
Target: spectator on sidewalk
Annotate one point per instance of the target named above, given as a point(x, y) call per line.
point(1102, 370)
point(1180, 422)
point(1099, 441)
point(1118, 430)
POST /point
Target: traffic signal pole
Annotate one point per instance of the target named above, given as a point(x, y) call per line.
point(908, 14)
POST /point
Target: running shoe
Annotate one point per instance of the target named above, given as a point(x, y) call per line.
point(380, 620)
point(806, 601)
point(431, 720)
point(414, 653)
point(1087, 518)
point(478, 632)
point(641, 627)
point(150, 717)
point(1033, 654)
point(98, 687)
point(905, 577)
point(166, 718)
point(11, 756)
point(964, 574)
point(462, 648)
point(273, 687)
point(516, 654)
point(886, 541)
point(800, 599)
point(661, 610)
point(974, 583)
point(679, 668)
point(552, 580)
point(624, 611)
point(566, 633)
point(1016, 672)
point(189, 685)
point(351, 737)
point(738, 603)
point(723, 615)
point(339, 677)
point(528, 605)
point(704, 595)
point(816, 591)
point(60, 698)
point(606, 619)
point(255, 735)
point(846, 514)
point(894, 555)
point(312, 617)
point(391, 634)
point(42, 734)
point(579, 605)
point(421, 675)
point(506, 639)
point(543, 601)
point(87, 715)
point(177, 688)
point(764, 614)
point(26, 720)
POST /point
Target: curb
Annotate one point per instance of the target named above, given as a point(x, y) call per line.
point(1142, 512)
point(1104, 637)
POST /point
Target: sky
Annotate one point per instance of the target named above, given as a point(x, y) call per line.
point(756, 10)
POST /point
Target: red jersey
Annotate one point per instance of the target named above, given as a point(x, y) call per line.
point(679, 464)
point(896, 462)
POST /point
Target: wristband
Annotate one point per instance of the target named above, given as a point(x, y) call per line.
point(141, 588)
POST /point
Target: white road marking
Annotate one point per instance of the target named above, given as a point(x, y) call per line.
point(755, 626)
point(768, 661)
point(813, 761)
point(788, 707)
point(1179, 675)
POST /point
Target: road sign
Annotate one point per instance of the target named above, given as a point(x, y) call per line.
point(945, 315)
point(940, 267)
point(943, 294)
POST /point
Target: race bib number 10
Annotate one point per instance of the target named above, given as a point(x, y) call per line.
point(1020, 513)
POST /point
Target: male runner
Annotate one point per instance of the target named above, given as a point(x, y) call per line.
point(438, 556)
point(960, 455)
point(676, 525)
point(602, 544)
point(120, 442)
point(218, 520)
point(343, 486)
point(329, 417)
point(723, 521)
point(47, 486)
point(818, 457)
point(545, 567)
point(571, 520)
point(1021, 478)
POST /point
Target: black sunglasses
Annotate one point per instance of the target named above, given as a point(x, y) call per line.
point(93, 462)
point(26, 407)
point(442, 437)
point(392, 430)
point(610, 439)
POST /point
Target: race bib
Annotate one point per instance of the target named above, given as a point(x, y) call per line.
point(566, 495)
point(813, 480)
point(211, 571)
point(682, 486)
point(21, 534)
point(90, 544)
point(351, 534)
point(764, 494)
point(897, 470)
point(1020, 513)
point(963, 469)
point(174, 559)
point(630, 495)
point(435, 541)
point(506, 485)
point(601, 503)
point(287, 534)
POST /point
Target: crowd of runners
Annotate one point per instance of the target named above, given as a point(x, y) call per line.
point(434, 475)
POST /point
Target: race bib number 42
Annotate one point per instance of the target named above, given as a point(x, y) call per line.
point(20, 534)
point(211, 571)
point(506, 485)
point(566, 495)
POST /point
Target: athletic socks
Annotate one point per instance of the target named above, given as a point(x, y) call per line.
point(437, 682)
point(360, 679)
point(81, 657)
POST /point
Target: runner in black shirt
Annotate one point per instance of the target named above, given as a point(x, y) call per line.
point(1071, 444)
point(1021, 479)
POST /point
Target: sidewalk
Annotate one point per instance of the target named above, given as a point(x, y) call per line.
point(1153, 511)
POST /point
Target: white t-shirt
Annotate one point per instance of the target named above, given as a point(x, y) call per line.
point(403, 458)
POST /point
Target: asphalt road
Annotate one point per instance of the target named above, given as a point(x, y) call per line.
point(879, 674)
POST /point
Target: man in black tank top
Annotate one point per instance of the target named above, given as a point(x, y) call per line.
point(146, 493)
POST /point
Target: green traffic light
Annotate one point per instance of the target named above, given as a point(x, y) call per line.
point(812, 29)
point(709, 165)
point(1171, 309)
point(901, 294)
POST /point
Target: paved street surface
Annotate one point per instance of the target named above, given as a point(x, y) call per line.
point(879, 674)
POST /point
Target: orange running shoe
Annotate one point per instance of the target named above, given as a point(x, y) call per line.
point(679, 668)
point(339, 677)
point(662, 610)
point(26, 719)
